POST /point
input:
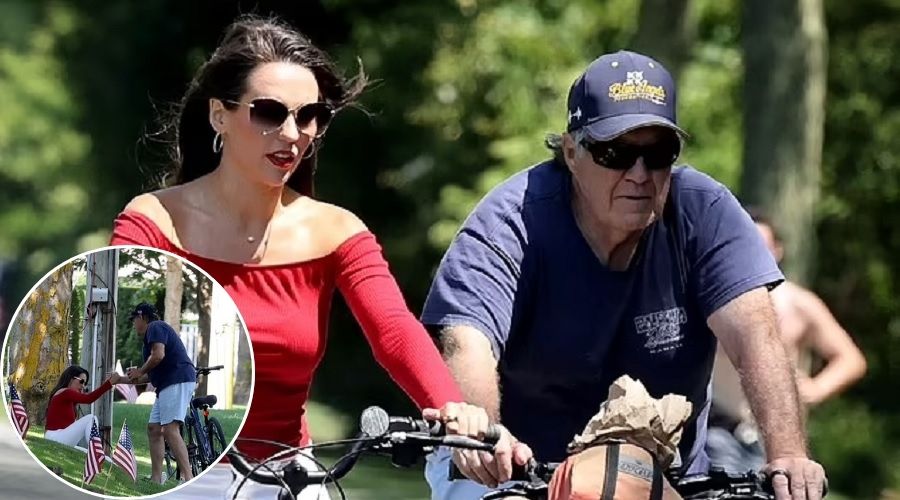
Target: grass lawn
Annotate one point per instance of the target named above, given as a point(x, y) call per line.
point(71, 461)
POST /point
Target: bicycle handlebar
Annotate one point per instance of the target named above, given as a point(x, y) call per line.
point(204, 370)
point(379, 432)
point(407, 439)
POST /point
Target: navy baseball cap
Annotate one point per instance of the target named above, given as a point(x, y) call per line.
point(621, 92)
point(143, 309)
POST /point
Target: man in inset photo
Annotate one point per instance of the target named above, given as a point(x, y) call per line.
point(170, 370)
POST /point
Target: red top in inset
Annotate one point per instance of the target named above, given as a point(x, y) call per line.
point(61, 410)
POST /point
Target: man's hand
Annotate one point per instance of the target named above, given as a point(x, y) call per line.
point(810, 393)
point(493, 470)
point(797, 478)
point(135, 375)
point(472, 421)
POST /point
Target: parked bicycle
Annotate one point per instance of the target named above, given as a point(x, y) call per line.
point(203, 437)
point(406, 440)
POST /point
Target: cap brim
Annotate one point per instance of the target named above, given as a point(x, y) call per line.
point(614, 126)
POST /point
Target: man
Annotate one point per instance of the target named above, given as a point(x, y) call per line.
point(608, 261)
point(807, 327)
point(170, 370)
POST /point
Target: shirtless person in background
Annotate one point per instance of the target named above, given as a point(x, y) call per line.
point(808, 328)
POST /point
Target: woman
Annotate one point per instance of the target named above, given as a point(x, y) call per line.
point(61, 425)
point(242, 208)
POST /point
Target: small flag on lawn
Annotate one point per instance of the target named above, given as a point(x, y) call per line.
point(93, 463)
point(17, 410)
point(123, 456)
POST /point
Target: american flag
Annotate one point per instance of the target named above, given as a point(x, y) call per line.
point(123, 456)
point(126, 390)
point(93, 462)
point(17, 410)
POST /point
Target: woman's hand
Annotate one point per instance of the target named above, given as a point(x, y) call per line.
point(483, 467)
point(114, 378)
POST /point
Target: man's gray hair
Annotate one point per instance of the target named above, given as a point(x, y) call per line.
point(554, 143)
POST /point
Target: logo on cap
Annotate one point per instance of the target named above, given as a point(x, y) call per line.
point(636, 87)
point(576, 114)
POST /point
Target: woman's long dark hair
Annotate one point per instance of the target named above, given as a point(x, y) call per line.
point(249, 42)
point(67, 375)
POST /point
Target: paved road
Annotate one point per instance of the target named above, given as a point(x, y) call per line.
point(22, 478)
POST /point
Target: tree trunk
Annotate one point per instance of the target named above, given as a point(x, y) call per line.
point(666, 31)
point(785, 55)
point(174, 291)
point(204, 324)
point(40, 352)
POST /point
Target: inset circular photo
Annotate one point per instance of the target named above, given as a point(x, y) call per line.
point(128, 371)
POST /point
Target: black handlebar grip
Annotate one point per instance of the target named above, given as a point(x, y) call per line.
point(493, 433)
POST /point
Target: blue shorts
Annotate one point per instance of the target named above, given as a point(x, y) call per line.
point(172, 403)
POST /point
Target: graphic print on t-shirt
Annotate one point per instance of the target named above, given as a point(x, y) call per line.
point(662, 329)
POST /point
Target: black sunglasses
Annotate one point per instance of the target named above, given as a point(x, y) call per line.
point(618, 155)
point(269, 114)
point(81, 380)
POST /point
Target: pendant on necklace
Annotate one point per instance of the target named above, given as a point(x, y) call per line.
point(250, 239)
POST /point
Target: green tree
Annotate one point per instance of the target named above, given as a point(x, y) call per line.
point(785, 46)
point(45, 189)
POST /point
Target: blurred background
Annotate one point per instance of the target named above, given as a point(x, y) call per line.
point(791, 103)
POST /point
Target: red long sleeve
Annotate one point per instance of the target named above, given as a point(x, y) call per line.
point(400, 343)
point(61, 410)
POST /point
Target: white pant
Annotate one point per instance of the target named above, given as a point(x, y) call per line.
point(78, 432)
point(221, 482)
point(437, 473)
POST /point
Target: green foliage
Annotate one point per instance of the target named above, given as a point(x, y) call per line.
point(45, 192)
point(128, 345)
point(466, 92)
point(848, 438)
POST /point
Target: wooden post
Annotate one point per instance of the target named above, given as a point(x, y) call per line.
point(103, 270)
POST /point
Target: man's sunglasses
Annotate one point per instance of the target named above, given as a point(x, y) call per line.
point(269, 114)
point(618, 155)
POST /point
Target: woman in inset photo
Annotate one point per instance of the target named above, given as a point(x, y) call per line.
point(128, 372)
point(63, 425)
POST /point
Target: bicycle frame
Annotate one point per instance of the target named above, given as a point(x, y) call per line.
point(200, 432)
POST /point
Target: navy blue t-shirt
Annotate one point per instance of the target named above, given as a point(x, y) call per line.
point(176, 367)
point(564, 326)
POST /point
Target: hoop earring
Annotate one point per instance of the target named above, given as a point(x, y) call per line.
point(218, 143)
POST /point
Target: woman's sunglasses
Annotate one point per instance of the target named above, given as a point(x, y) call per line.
point(81, 380)
point(269, 115)
point(618, 155)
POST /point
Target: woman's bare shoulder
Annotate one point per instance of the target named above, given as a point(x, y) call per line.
point(332, 225)
point(157, 206)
